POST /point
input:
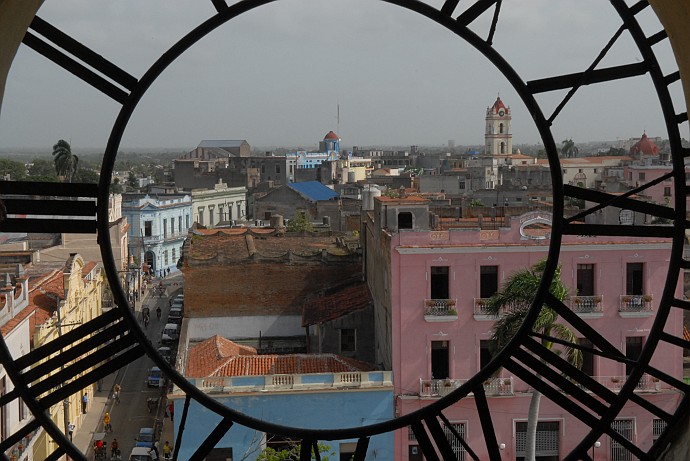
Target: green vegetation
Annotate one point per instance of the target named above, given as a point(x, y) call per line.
point(16, 170)
point(66, 163)
point(300, 223)
point(42, 170)
point(511, 305)
point(293, 453)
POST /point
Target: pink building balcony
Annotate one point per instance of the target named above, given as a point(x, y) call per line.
point(440, 310)
point(480, 312)
point(587, 304)
point(634, 305)
point(646, 383)
point(442, 387)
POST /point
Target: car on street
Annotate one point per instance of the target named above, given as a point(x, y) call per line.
point(166, 353)
point(142, 454)
point(155, 377)
point(170, 334)
point(175, 315)
point(145, 438)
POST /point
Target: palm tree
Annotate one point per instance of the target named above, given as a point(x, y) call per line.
point(65, 161)
point(512, 304)
point(569, 148)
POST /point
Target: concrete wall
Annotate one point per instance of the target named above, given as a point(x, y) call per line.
point(318, 410)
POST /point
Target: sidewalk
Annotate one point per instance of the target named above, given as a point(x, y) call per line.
point(91, 422)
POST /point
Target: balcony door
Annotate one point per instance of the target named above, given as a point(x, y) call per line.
point(488, 281)
point(440, 283)
point(634, 279)
point(440, 360)
point(585, 280)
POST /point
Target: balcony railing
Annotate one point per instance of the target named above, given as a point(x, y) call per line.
point(440, 308)
point(635, 303)
point(587, 304)
point(441, 387)
point(646, 384)
point(481, 312)
point(282, 382)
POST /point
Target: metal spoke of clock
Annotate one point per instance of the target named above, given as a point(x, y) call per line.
point(213, 438)
point(220, 5)
point(110, 321)
point(575, 81)
point(361, 450)
point(486, 422)
point(57, 454)
point(440, 438)
point(70, 207)
point(307, 447)
point(494, 22)
point(583, 327)
point(459, 437)
point(624, 201)
point(17, 436)
point(424, 442)
point(181, 427)
point(561, 376)
point(67, 44)
point(554, 394)
point(473, 12)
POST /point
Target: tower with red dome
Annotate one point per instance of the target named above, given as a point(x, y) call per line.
point(330, 143)
point(645, 147)
point(498, 140)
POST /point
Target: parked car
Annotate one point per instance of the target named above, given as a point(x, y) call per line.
point(155, 377)
point(175, 315)
point(170, 334)
point(146, 438)
point(142, 454)
point(166, 353)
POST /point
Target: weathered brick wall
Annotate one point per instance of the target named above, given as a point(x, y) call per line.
point(258, 288)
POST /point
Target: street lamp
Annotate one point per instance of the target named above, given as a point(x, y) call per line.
point(597, 444)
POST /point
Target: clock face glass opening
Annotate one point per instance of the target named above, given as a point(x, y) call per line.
point(219, 83)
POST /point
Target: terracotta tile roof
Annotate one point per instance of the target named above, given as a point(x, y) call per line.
point(335, 305)
point(88, 267)
point(400, 201)
point(209, 358)
point(44, 293)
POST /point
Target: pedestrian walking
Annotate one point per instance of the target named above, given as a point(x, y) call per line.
point(171, 410)
point(84, 403)
point(167, 450)
point(70, 430)
point(107, 427)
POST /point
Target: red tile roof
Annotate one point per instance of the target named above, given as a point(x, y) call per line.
point(335, 305)
point(208, 359)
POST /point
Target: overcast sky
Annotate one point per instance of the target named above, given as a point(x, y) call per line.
point(276, 75)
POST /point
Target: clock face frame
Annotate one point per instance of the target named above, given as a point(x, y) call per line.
point(518, 357)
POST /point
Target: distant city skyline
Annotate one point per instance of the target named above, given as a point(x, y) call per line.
point(288, 72)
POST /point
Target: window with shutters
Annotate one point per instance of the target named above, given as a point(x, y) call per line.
point(452, 437)
point(548, 440)
point(626, 428)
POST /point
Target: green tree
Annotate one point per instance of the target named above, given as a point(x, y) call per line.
point(115, 186)
point(511, 305)
point(42, 170)
point(293, 453)
point(16, 170)
point(132, 181)
point(300, 223)
point(66, 163)
point(86, 175)
point(569, 148)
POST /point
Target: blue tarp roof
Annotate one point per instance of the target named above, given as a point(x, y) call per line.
point(313, 190)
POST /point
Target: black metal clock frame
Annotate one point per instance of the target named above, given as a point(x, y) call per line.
point(43, 378)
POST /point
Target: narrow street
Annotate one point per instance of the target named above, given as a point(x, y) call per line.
point(132, 413)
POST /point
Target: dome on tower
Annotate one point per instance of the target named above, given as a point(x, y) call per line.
point(330, 136)
point(499, 108)
point(644, 147)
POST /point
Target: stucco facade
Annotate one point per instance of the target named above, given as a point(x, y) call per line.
point(158, 227)
point(220, 204)
point(615, 284)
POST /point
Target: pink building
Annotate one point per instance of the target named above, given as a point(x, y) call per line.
point(428, 287)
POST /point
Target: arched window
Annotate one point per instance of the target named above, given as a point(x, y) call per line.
point(503, 148)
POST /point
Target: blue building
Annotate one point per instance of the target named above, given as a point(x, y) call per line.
point(329, 150)
point(158, 227)
point(299, 390)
